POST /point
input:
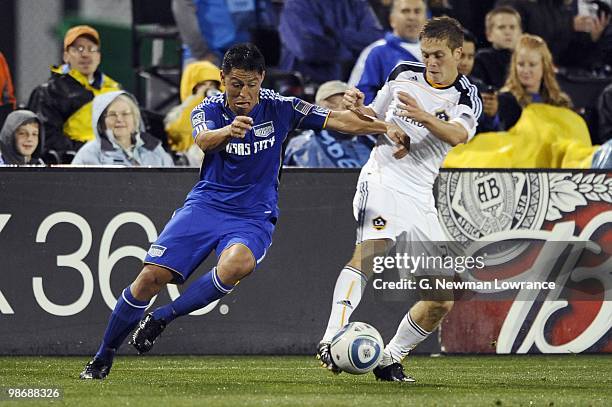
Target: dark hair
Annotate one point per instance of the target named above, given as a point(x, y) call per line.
point(243, 56)
point(469, 37)
point(444, 28)
point(31, 120)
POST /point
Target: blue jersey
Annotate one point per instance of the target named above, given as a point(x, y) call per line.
point(243, 178)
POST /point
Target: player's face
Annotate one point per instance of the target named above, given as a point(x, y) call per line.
point(440, 61)
point(530, 69)
point(466, 63)
point(26, 139)
point(407, 18)
point(505, 31)
point(242, 89)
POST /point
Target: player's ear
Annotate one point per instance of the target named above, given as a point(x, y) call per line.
point(263, 75)
point(457, 53)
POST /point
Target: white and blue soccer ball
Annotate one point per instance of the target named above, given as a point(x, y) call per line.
point(357, 348)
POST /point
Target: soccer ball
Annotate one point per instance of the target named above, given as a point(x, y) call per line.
point(357, 348)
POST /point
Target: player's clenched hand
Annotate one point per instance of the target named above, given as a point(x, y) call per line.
point(399, 137)
point(409, 107)
point(353, 99)
point(240, 126)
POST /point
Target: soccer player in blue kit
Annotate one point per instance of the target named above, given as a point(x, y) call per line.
point(231, 210)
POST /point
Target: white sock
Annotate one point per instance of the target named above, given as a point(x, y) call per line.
point(409, 334)
point(347, 293)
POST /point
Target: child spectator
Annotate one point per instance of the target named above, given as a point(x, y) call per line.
point(21, 138)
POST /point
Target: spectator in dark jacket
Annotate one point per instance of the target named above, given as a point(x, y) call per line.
point(488, 120)
point(503, 28)
point(322, 38)
point(604, 111)
point(573, 39)
point(63, 103)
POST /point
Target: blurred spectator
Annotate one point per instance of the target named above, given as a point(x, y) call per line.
point(471, 14)
point(63, 103)
point(604, 112)
point(327, 148)
point(120, 137)
point(573, 38)
point(503, 28)
point(378, 60)
point(488, 120)
point(600, 60)
point(7, 93)
point(209, 27)
point(200, 79)
point(322, 38)
point(21, 138)
point(382, 9)
point(531, 80)
point(439, 8)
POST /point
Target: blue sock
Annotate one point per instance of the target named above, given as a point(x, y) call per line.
point(126, 315)
point(202, 292)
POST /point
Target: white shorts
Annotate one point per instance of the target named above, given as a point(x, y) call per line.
point(384, 213)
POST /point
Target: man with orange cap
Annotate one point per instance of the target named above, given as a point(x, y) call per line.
point(64, 101)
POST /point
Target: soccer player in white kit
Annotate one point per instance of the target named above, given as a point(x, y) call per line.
point(438, 108)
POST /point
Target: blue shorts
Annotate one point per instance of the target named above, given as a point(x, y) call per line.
point(193, 232)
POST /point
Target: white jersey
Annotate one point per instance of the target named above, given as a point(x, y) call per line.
point(416, 172)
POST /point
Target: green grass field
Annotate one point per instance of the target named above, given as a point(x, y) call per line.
point(298, 381)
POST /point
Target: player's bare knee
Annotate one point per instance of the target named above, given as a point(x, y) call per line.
point(235, 263)
point(365, 252)
point(149, 282)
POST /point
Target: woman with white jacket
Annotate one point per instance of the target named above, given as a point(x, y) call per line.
point(120, 137)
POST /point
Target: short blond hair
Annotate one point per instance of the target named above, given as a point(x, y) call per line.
point(500, 10)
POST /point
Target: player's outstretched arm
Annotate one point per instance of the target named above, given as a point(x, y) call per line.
point(211, 141)
point(351, 122)
point(353, 100)
point(450, 132)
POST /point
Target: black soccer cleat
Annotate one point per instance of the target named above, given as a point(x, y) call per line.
point(95, 369)
point(392, 373)
point(325, 358)
point(147, 332)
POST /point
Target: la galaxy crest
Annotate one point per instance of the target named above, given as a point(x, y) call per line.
point(379, 223)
